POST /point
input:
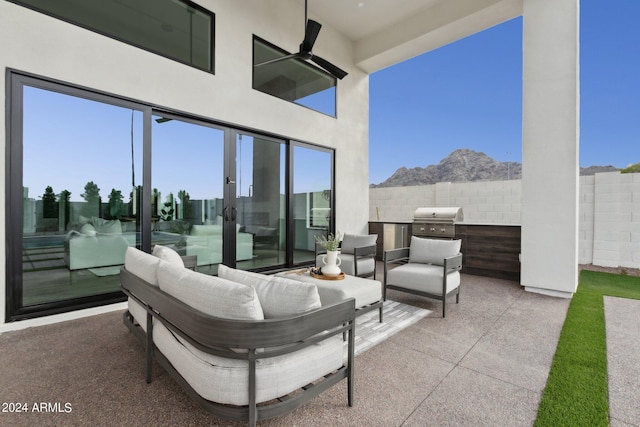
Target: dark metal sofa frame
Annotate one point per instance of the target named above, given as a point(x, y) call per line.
point(401, 256)
point(219, 336)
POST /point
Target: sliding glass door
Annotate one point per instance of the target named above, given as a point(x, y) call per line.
point(89, 175)
point(81, 168)
point(312, 199)
point(260, 202)
point(187, 182)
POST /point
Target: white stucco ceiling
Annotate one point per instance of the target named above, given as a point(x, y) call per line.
point(386, 32)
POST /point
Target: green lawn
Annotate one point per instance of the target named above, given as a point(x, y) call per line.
point(576, 392)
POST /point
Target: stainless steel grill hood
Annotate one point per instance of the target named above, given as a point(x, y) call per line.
point(436, 222)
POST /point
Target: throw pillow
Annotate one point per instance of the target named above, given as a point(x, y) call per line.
point(142, 265)
point(168, 254)
point(209, 294)
point(351, 241)
point(432, 251)
point(279, 296)
point(88, 230)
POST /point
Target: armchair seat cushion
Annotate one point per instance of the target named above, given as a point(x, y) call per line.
point(365, 265)
point(422, 277)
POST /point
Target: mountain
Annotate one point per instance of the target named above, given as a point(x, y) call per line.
point(465, 165)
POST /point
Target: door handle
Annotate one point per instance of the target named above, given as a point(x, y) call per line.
point(225, 214)
point(234, 214)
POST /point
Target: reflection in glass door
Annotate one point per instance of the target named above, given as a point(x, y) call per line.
point(187, 197)
point(312, 199)
point(260, 202)
point(81, 163)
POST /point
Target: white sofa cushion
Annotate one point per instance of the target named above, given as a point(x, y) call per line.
point(88, 230)
point(142, 265)
point(351, 241)
point(209, 294)
point(168, 254)
point(278, 296)
point(432, 251)
point(225, 380)
point(422, 277)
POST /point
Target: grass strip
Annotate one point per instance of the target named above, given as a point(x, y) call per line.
point(576, 392)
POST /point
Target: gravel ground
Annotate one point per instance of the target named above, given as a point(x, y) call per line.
point(615, 270)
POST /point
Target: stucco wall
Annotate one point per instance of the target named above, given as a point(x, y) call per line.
point(609, 224)
point(44, 46)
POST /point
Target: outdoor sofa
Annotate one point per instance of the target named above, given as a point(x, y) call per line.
point(245, 347)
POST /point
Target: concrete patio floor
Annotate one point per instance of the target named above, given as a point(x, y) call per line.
point(486, 363)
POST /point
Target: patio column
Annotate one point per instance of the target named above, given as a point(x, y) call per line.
point(550, 135)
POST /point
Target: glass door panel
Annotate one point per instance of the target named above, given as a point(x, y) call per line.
point(312, 185)
point(187, 190)
point(82, 163)
point(260, 202)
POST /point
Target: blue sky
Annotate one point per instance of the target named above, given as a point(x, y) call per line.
point(469, 95)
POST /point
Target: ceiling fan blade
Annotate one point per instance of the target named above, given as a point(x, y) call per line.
point(278, 59)
point(337, 72)
point(310, 35)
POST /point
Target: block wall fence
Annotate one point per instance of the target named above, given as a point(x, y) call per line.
point(609, 221)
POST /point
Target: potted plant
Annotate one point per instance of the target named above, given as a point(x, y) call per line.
point(331, 261)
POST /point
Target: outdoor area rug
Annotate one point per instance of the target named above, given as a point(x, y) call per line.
point(396, 316)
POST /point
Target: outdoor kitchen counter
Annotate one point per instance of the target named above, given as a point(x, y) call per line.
point(491, 250)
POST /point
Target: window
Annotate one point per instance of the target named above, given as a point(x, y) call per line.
point(312, 200)
point(79, 211)
point(177, 29)
point(293, 79)
point(89, 175)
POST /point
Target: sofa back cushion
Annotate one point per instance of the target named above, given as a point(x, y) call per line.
point(351, 241)
point(279, 296)
point(142, 264)
point(206, 230)
point(432, 251)
point(168, 255)
point(106, 226)
point(209, 294)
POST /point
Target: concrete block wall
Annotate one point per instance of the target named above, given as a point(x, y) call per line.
point(494, 202)
point(609, 220)
point(616, 224)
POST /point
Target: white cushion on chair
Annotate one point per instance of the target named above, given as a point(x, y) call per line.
point(432, 251)
point(351, 241)
point(422, 277)
point(365, 265)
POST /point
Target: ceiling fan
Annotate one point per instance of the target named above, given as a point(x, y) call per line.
point(312, 28)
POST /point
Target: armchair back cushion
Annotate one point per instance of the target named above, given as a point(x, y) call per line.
point(432, 251)
point(278, 296)
point(351, 241)
point(209, 294)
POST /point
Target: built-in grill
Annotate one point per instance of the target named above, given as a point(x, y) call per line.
point(436, 222)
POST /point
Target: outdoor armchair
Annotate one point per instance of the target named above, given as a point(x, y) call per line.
point(429, 268)
point(357, 255)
